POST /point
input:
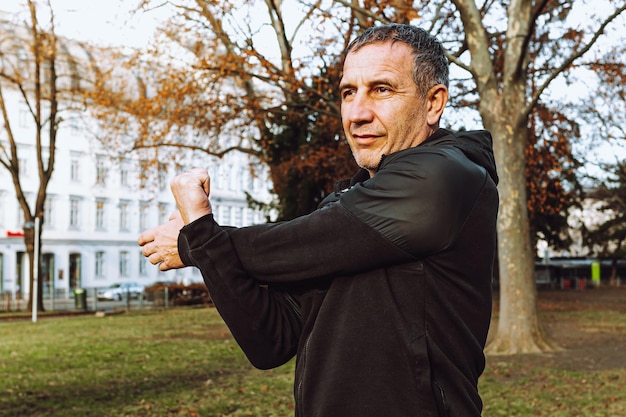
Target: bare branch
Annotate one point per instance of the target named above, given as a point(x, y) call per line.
point(476, 39)
point(354, 6)
point(304, 19)
point(573, 57)
point(175, 145)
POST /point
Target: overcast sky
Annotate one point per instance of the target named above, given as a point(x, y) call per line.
point(105, 22)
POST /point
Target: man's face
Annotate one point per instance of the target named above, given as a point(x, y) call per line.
point(381, 110)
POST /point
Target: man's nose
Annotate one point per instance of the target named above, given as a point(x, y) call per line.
point(361, 110)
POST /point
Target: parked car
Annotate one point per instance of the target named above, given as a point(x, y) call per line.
point(119, 291)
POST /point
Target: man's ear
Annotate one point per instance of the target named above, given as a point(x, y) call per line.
point(437, 98)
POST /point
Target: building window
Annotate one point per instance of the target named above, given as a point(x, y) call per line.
point(238, 216)
point(74, 212)
point(101, 171)
point(99, 264)
point(124, 220)
point(100, 214)
point(222, 176)
point(143, 265)
point(249, 217)
point(75, 170)
point(163, 213)
point(75, 129)
point(144, 207)
point(233, 175)
point(251, 178)
point(124, 181)
point(224, 215)
point(24, 168)
point(24, 118)
point(124, 263)
point(48, 211)
point(243, 178)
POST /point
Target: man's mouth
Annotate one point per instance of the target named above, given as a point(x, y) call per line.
point(365, 139)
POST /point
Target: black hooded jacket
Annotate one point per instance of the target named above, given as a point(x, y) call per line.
point(383, 292)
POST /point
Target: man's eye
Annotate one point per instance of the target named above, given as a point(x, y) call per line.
point(382, 89)
point(347, 93)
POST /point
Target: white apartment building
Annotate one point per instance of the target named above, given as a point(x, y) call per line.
point(98, 202)
point(96, 206)
point(95, 210)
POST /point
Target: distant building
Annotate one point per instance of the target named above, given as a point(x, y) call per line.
point(95, 210)
point(97, 204)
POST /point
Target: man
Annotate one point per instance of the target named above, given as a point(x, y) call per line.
point(384, 292)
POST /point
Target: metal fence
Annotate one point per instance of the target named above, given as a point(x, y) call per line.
point(86, 300)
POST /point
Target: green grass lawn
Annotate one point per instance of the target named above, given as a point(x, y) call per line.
point(178, 362)
point(183, 362)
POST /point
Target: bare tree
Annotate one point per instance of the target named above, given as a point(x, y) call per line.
point(29, 65)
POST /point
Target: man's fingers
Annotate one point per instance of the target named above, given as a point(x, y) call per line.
point(145, 238)
point(154, 258)
point(147, 250)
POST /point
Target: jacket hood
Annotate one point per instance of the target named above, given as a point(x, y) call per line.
point(477, 145)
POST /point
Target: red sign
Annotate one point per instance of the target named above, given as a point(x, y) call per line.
point(15, 233)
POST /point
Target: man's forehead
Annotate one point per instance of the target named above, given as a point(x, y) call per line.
point(378, 59)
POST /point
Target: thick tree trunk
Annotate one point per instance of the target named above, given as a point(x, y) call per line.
point(505, 112)
point(518, 328)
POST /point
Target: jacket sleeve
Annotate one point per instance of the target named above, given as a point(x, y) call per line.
point(265, 323)
point(412, 208)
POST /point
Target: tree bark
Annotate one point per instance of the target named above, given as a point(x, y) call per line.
point(29, 241)
point(518, 327)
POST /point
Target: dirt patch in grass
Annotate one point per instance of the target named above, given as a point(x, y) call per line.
point(604, 298)
point(587, 346)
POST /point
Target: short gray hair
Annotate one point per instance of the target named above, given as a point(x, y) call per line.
point(430, 65)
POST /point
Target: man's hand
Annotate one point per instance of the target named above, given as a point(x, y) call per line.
point(191, 191)
point(160, 245)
